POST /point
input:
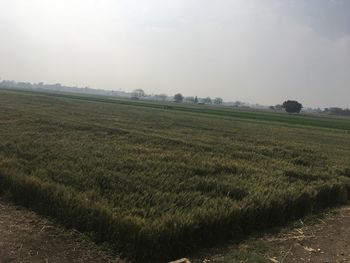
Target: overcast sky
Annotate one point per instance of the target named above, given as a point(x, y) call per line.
point(258, 51)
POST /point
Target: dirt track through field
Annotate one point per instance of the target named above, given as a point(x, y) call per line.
point(328, 240)
point(27, 237)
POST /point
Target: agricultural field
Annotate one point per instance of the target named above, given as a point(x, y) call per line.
point(157, 181)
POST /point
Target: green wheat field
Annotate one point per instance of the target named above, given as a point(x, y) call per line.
point(158, 180)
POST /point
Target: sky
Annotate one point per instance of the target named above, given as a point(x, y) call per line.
point(257, 51)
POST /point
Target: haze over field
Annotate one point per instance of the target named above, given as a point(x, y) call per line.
point(249, 50)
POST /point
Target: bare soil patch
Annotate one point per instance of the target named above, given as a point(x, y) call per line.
point(323, 238)
point(27, 237)
point(327, 240)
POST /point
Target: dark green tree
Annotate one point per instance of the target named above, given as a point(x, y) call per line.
point(178, 97)
point(292, 106)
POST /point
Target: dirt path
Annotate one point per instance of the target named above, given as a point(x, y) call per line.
point(323, 238)
point(27, 237)
point(328, 240)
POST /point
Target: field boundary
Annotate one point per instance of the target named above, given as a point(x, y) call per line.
point(141, 243)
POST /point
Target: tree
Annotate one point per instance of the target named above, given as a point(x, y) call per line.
point(137, 94)
point(207, 100)
point(218, 101)
point(189, 99)
point(178, 97)
point(279, 107)
point(292, 106)
point(195, 100)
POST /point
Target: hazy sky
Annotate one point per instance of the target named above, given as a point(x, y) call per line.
point(259, 51)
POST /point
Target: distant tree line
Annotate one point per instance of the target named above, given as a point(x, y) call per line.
point(178, 97)
point(337, 111)
point(10, 84)
point(290, 106)
point(136, 94)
